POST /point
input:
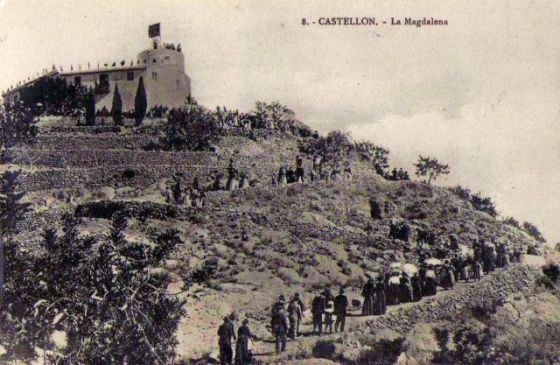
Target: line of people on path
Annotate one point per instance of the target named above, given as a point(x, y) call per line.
point(402, 283)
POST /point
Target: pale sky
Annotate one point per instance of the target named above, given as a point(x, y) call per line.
point(481, 93)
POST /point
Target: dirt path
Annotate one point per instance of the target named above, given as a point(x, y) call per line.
point(304, 344)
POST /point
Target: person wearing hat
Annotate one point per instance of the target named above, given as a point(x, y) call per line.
point(280, 304)
point(279, 324)
point(340, 307)
point(295, 315)
point(225, 334)
point(317, 309)
point(242, 353)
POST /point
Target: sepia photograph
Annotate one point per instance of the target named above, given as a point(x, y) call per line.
point(252, 182)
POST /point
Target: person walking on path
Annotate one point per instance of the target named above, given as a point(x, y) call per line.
point(225, 334)
point(295, 314)
point(317, 309)
point(368, 292)
point(242, 353)
point(279, 326)
point(340, 307)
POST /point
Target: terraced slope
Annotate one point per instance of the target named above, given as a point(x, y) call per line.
point(258, 242)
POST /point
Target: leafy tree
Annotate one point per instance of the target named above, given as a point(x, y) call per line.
point(55, 96)
point(17, 126)
point(140, 102)
point(332, 147)
point(116, 107)
point(533, 231)
point(90, 108)
point(102, 295)
point(431, 168)
point(12, 211)
point(378, 156)
point(274, 115)
point(192, 127)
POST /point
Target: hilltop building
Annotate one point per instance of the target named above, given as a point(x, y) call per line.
point(162, 68)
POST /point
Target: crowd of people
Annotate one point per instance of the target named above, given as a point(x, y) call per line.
point(400, 283)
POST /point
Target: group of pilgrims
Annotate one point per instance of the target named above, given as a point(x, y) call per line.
point(400, 283)
point(234, 179)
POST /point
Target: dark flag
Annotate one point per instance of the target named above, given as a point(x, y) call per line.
point(153, 30)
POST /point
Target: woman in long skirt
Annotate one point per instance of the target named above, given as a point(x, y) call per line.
point(242, 353)
point(367, 293)
point(380, 298)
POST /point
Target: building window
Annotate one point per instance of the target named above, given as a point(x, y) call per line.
point(154, 60)
point(130, 75)
point(154, 76)
point(177, 84)
point(77, 80)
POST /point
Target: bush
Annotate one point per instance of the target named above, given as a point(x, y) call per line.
point(129, 173)
point(533, 231)
point(472, 343)
point(477, 201)
point(483, 204)
point(552, 271)
point(383, 352)
point(100, 295)
point(324, 350)
point(512, 222)
point(333, 147)
point(192, 127)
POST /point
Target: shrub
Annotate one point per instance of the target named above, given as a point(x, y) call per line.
point(102, 295)
point(533, 231)
point(512, 222)
point(333, 147)
point(324, 350)
point(129, 173)
point(472, 343)
point(552, 271)
point(483, 204)
point(382, 352)
point(192, 128)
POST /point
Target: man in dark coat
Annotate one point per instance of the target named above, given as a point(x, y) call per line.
point(279, 325)
point(317, 309)
point(340, 307)
point(225, 334)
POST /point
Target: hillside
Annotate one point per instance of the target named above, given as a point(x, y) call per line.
point(256, 243)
